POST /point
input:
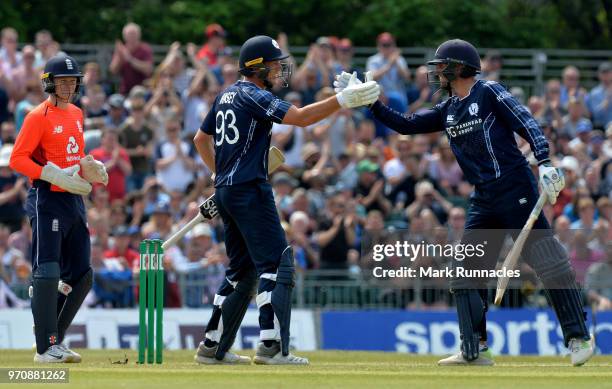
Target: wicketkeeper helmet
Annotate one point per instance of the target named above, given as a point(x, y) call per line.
point(60, 66)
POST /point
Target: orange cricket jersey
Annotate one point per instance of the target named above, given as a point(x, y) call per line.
point(51, 134)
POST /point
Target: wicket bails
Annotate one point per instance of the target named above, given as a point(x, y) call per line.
point(151, 301)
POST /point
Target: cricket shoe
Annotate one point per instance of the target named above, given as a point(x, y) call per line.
point(581, 350)
point(273, 356)
point(485, 358)
point(76, 357)
point(206, 356)
point(57, 354)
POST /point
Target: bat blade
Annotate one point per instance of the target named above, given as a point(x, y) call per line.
point(513, 256)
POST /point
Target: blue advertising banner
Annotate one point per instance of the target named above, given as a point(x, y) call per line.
point(510, 331)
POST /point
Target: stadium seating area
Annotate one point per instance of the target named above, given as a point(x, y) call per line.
point(348, 181)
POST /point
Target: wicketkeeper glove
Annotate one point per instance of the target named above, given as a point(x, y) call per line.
point(552, 181)
point(68, 180)
point(94, 171)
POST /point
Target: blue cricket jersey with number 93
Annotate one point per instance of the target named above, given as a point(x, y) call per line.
point(241, 122)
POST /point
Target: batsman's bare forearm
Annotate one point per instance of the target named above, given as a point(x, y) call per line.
point(311, 113)
point(204, 144)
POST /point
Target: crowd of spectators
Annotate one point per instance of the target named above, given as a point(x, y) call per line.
point(347, 181)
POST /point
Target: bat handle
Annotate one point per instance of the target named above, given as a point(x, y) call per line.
point(180, 233)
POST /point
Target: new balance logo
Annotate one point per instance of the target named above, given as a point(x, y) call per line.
point(58, 129)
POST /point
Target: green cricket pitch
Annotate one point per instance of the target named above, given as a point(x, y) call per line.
point(328, 369)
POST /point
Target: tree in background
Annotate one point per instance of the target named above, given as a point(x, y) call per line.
point(487, 23)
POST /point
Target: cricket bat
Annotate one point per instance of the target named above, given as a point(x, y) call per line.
point(208, 209)
point(513, 256)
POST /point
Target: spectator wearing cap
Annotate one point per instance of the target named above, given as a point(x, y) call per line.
point(121, 250)
point(570, 87)
point(174, 159)
point(283, 184)
point(199, 241)
point(132, 60)
point(214, 45)
point(391, 71)
point(13, 191)
point(116, 112)
point(160, 224)
point(595, 146)
point(201, 267)
point(576, 111)
point(290, 139)
point(491, 66)
point(599, 99)
point(583, 133)
point(117, 163)
point(370, 187)
point(571, 169)
point(138, 139)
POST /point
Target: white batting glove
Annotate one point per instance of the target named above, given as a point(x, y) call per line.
point(358, 94)
point(343, 79)
point(72, 183)
point(552, 181)
point(94, 171)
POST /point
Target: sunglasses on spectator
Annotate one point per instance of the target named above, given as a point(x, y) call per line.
point(386, 45)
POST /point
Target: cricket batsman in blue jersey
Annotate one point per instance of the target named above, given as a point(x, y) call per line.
point(480, 119)
point(233, 141)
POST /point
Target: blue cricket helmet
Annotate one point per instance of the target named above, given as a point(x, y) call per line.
point(60, 65)
point(258, 50)
point(458, 51)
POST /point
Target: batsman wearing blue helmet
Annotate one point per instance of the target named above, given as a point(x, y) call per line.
point(480, 119)
point(233, 141)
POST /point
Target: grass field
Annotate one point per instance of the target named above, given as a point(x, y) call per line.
point(328, 369)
